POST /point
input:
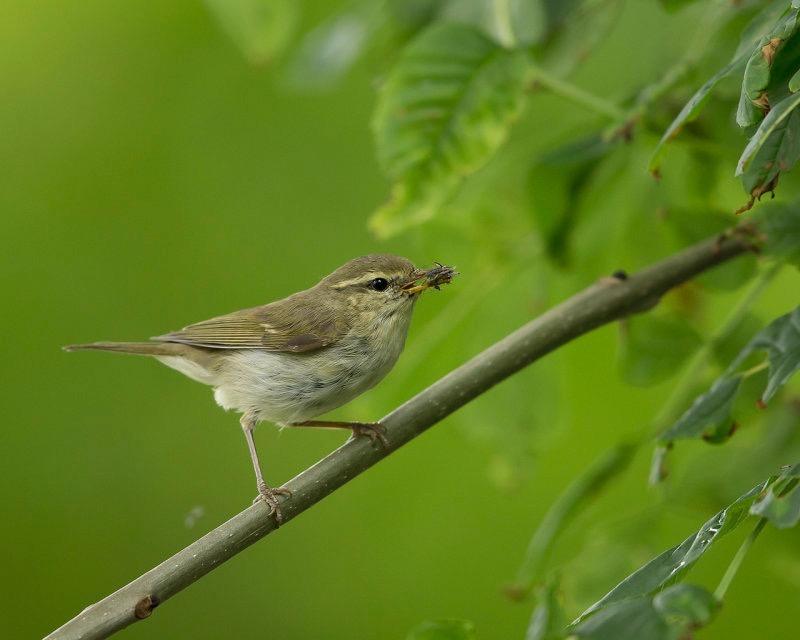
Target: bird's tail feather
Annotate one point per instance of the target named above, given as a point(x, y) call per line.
point(140, 348)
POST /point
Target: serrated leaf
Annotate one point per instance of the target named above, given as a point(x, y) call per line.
point(781, 340)
point(444, 110)
point(260, 28)
point(709, 416)
point(652, 348)
point(780, 504)
point(690, 111)
point(443, 630)
point(667, 568)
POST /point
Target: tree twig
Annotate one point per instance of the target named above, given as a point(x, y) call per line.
point(607, 300)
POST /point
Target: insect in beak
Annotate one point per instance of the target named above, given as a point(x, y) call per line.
point(434, 277)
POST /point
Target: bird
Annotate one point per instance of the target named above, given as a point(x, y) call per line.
point(289, 361)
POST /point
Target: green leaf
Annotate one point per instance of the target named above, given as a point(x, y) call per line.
point(443, 630)
point(687, 605)
point(444, 110)
point(652, 348)
point(794, 81)
point(667, 568)
point(785, 146)
point(781, 340)
point(709, 417)
point(780, 504)
point(690, 112)
point(260, 28)
point(763, 29)
point(630, 620)
point(670, 615)
point(758, 72)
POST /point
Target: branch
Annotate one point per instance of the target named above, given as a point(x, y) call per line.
point(601, 303)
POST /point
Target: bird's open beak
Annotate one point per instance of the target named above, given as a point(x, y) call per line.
point(420, 280)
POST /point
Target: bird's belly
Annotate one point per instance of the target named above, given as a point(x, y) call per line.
point(285, 388)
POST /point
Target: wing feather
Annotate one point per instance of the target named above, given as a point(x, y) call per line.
point(294, 324)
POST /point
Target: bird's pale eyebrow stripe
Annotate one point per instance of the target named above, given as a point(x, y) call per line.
point(362, 279)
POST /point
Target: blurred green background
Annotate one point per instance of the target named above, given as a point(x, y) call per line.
point(152, 177)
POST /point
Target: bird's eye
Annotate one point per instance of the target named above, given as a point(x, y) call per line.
point(379, 284)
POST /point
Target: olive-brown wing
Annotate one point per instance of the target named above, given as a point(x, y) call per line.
point(292, 324)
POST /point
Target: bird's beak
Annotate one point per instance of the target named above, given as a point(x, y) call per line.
point(420, 280)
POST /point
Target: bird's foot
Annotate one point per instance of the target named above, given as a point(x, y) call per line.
point(375, 431)
point(269, 496)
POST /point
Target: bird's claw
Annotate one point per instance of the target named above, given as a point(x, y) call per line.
point(375, 431)
point(269, 496)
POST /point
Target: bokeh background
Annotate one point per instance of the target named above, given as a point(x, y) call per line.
point(153, 176)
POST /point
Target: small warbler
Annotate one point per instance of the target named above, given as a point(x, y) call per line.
point(292, 360)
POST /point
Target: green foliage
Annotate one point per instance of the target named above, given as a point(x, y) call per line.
point(444, 109)
point(690, 111)
point(443, 630)
point(774, 147)
point(671, 615)
point(649, 603)
point(669, 567)
point(769, 52)
point(709, 417)
point(780, 504)
point(516, 136)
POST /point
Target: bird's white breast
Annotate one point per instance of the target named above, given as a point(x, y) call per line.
point(292, 387)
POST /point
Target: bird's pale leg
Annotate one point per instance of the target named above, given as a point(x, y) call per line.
point(375, 431)
point(265, 493)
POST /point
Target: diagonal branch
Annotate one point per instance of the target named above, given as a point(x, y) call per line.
point(601, 303)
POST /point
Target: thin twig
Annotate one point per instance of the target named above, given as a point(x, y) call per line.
point(607, 300)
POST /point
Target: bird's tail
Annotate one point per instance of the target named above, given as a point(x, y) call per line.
point(141, 348)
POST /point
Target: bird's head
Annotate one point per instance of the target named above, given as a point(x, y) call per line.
point(381, 286)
